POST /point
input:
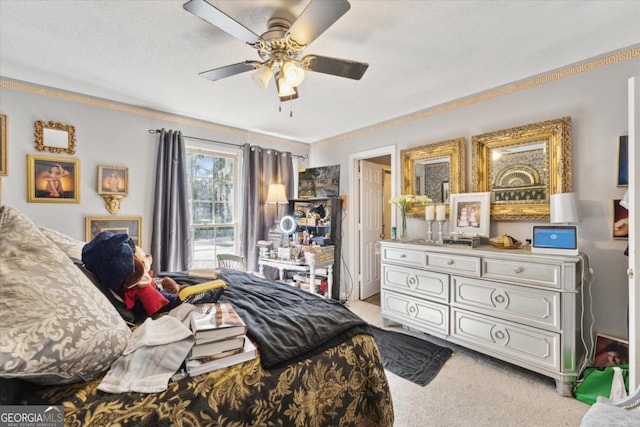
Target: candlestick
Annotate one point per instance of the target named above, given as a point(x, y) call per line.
point(429, 213)
point(441, 213)
point(440, 230)
point(430, 230)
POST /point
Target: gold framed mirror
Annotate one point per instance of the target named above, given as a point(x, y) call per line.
point(434, 170)
point(55, 137)
point(522, 167)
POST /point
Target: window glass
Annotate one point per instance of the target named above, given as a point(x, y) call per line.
point(212, 203)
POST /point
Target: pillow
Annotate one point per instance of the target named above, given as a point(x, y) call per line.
point(68, 245)
point(55, 326)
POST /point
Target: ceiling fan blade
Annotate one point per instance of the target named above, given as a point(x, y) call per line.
point(230, 70)
point(334, 66)
point(218, 18)
point(315, 19)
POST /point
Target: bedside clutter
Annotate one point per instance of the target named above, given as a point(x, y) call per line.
point(510, 304)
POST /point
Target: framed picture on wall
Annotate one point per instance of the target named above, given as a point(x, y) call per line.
point(131, 225)
point(113, 180)
point(53, 179)
point(623, 161)
point(469, 213)
point(620, 221)
point(610, 351)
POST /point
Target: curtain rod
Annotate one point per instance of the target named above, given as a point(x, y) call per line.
point(303, 156)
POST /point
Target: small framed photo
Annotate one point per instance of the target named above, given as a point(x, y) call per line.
point(623, 161)
point(53, 179)
point(610, 351)
point(620, 221)
point(4, 156)
point(113, 180)
point(469, 213)
point(131, 225)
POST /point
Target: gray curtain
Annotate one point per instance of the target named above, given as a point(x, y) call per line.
point(171, 235)
point(260, 168)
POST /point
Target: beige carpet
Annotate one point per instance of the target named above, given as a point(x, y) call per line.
point(473, 390)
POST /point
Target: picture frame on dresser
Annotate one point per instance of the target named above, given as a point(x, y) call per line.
point(52, 179)
point(132, 225)
point(470, 213)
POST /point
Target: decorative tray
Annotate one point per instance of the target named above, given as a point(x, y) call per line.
point(505, 242)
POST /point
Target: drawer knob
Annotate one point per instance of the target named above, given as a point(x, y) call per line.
point(499, 299)
point(403, 256)
point(499, 335)
point(518, 270)
point(412, 309)
point(412, 280)
point(450, 262)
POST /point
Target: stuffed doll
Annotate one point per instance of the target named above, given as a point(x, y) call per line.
point(125, 268)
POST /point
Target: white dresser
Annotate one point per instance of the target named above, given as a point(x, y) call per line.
point(510, 304)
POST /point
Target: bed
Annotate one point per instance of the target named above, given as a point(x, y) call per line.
point(318, 363)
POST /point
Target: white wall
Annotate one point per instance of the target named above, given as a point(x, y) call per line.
point(597, 102)
point(106, 134)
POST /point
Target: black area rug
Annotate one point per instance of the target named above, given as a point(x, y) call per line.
point(409, 357)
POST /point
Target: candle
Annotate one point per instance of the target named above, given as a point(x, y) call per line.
point(429, 213)
point(441, 214)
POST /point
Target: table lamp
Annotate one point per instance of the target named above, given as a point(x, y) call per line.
point(564, 208)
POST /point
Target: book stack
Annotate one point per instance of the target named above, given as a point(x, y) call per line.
point(220, 339)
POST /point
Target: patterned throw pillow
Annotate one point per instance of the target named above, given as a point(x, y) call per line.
point(55, 326)
point(68, 245)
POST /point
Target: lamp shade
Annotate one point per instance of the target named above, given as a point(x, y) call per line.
point(564, 208)
point(625, 200)
point(263, 76)
point(277, 195)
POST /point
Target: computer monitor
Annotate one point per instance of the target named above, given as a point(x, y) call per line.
point(555, 239)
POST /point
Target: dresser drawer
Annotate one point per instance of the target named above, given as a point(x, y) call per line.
point(534, 307)
point(423, 315)
point(516, 342)
point(521, 271)
point(427, 284)
point(411, 257)
point(457, 264)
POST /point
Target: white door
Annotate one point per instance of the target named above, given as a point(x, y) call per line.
point(371, 179)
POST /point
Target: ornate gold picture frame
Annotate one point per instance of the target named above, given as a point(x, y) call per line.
point(522, 167)
point(132, 225)
point(434, 170)
point(53, 179)
point(55, 137)
point(113, 180)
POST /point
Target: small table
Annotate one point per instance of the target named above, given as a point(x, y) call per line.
point(313, 260)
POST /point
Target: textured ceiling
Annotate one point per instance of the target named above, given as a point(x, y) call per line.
point(420, 54)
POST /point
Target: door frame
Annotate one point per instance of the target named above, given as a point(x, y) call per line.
point(354, 191)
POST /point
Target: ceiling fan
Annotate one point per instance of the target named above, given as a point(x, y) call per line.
point(280, 47)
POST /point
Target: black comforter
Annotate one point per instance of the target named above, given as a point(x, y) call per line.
point(286, 323)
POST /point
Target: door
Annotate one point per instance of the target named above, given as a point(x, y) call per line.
point(371, 208)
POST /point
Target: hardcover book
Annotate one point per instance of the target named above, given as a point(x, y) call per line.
point(216, 321)
point(211, 363)
point(216, 347)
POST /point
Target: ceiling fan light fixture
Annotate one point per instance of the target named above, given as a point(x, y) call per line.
point(285, 90)
point(293, 74)
point(262, 77)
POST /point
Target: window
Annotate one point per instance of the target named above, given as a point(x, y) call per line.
point(212, 204)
